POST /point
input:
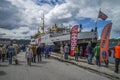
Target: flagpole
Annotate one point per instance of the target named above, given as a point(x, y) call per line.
point(96, 31)
point(97, 19)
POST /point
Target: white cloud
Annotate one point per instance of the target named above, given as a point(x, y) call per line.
point(28, 13)
point(86, 8)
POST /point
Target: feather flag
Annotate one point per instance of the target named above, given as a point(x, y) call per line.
point(73, 39)
point(104, 42)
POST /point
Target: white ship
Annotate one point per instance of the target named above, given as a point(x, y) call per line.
point(53, 37)
point(57, 35)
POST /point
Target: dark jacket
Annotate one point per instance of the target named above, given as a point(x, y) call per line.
point(39, 50)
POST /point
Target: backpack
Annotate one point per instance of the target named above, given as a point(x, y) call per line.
point(47, 49)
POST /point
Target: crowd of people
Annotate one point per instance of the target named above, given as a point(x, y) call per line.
point(92, 52)
point(9, 52)
point(35, 53)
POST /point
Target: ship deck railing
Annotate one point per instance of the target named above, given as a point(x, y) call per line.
point(58, 34)
point(65, 33)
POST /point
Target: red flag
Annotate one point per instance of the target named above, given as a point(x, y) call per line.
point(102, 15)
point(73, 39)
point(104, 42)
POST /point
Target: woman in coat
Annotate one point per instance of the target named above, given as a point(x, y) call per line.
point(29, 55)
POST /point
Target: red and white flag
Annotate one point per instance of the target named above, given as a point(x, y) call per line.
point(73, 39)
point(102, 15)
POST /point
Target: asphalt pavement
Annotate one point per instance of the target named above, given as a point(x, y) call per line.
point(82, 63)
point(48, 69)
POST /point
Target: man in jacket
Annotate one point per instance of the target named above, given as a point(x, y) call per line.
point(66, 51)
point(97, 54)
point(117, 57)
point(76, 52)
point(33, 47)
point(11, 53)
point(39, 52)
point(90, 52)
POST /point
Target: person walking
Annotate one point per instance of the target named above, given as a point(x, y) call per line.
point(3, 53)
point(0, 53)
point(7, 52)
point(47, 51)
point(34, 50)
point(107, 61)
point(29, 55)
point(97, 54)
point(66, 51)
point(16, 49)
point(39, 53)
point(117, 57)
point(11, 53)
point(15, 53)
point(76, 52)
point(62, 51)
point(50, 50)
point(81, 52)
point(85, 53)
point(90, 52)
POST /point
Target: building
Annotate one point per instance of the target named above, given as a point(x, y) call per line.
point(5, 41)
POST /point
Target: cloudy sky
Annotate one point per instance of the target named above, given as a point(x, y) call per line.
point(19, 19)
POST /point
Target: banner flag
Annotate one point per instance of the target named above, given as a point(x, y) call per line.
point(73, 39)
point(104, 42)
point(102, 15)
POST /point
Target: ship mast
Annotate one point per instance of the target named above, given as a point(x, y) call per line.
point(43, 24)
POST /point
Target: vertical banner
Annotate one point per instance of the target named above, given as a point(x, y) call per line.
point(104, 42)
point(73, 39)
